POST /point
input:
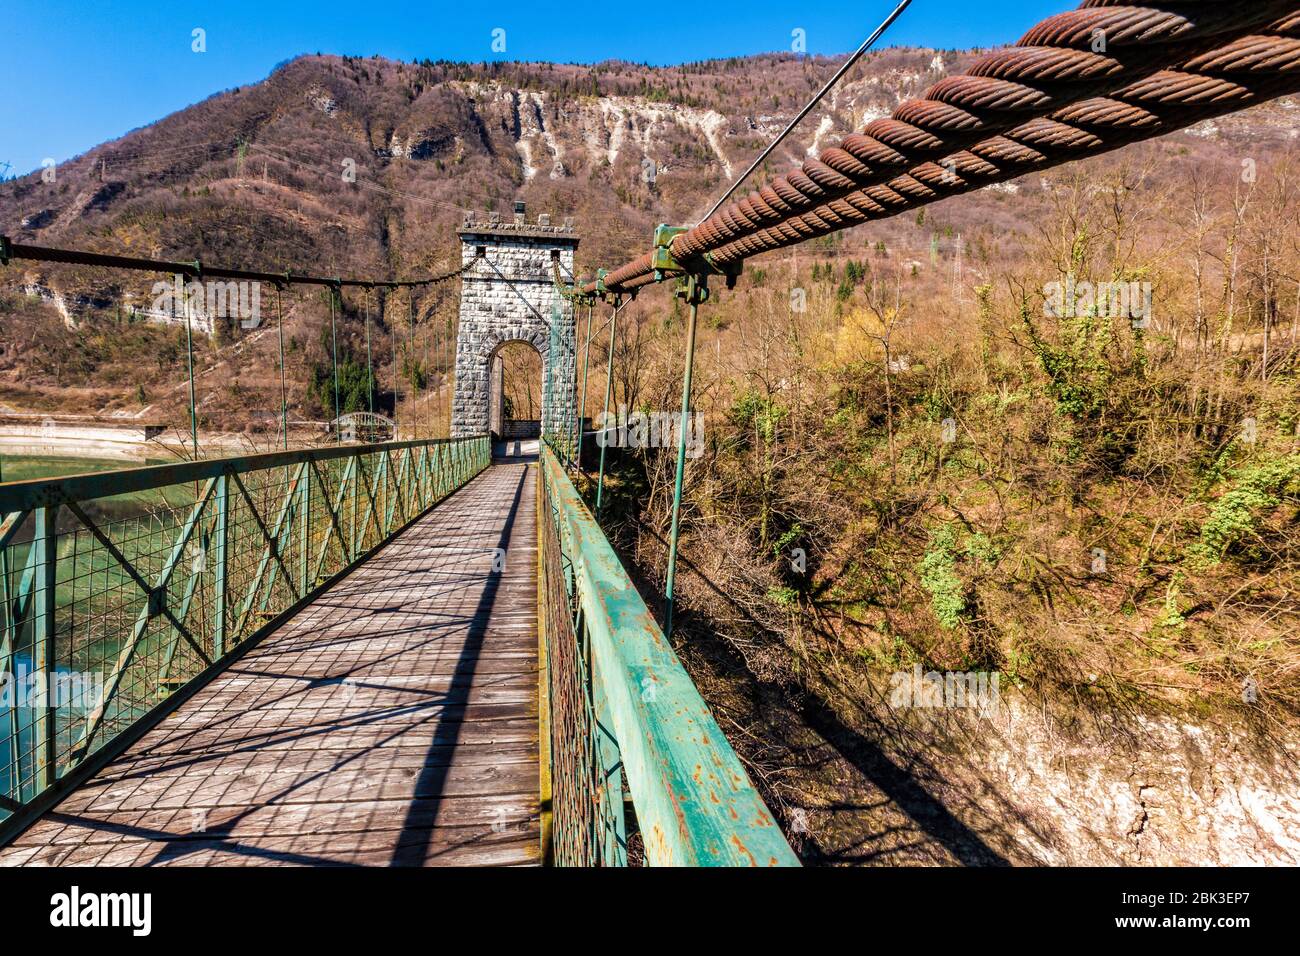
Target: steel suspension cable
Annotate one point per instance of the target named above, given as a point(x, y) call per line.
point(392, 335)
point(586, 361)
point(334, 351)
point(1076, 85)
point(428, 375)
point(370, 369)
point(189, 358)
point(197, 270)
point(808, 108)
point(693, 297)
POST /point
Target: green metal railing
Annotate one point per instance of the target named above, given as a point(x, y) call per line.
point(625, 718)
point(122, 592)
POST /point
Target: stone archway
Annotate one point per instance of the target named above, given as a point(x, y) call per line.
point(497, 380)
point(508, 294)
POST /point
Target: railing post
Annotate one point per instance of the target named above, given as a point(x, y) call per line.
point(12, 784)
point(305, 533)
point(44, 603)
point(354, 546)
point(219, 586)
point(381, 486)
point(609, 764)
point(428, 475)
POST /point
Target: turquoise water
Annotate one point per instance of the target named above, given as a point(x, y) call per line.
point(16, 741)
point(8, 778)
point(26, 467)
point(16, 736)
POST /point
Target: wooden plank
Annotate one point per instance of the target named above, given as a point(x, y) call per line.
point(316, 761)
point(202, 792)
point(393, 721)
point(383, 820)
point(347, 738)
point(360, 698)
point(465, 847)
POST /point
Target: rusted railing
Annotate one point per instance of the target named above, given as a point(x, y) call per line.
point(628, 729)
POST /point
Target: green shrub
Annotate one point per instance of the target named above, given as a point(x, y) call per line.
point(1256, 490)
point(938, 569)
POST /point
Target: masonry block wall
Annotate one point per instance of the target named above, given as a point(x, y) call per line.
point(510, 296)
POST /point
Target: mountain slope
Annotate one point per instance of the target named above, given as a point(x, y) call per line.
point(365, 167)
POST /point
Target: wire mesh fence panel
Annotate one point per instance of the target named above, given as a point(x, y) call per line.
point(587, 783)
point(628, 729)
point(119, 589)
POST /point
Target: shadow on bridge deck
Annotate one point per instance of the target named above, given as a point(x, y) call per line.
point(392, 722)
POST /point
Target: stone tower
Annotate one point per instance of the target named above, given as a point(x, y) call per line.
point(509, 295)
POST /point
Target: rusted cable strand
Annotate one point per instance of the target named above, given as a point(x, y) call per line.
point(1096, 127)
point(1053, 66)
point(198, 270)
point(1085, 129)
point(1159, 104)
point(996, 96)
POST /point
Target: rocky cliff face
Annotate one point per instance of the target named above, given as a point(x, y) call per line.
point(1017, 780)
point(1162, 792)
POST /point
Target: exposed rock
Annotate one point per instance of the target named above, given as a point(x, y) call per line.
point(322, 100)
point(38, 220)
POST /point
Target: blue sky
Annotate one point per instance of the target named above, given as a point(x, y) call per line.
point(83, 72)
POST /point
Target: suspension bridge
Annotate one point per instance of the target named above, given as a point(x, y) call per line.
point(411, 653)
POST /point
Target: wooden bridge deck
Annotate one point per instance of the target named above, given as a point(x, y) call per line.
point(392, 722)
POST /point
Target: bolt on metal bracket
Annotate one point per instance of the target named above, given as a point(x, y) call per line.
point(731, 270)
point(693, 285)
point(662, 257)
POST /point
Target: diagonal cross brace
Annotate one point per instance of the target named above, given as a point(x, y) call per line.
point(147, 613)
point(335, 527)
point(270, 550)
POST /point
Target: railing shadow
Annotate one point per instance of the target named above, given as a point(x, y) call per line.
point(314, 657)
point(417, 830)
point(899, 783)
